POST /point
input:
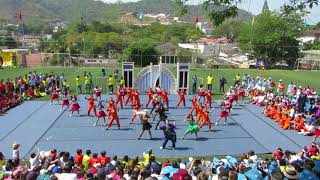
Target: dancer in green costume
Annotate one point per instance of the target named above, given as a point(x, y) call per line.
point(193, 127)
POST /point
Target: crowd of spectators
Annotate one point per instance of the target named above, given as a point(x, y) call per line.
point(29, 86)
point(64, 165)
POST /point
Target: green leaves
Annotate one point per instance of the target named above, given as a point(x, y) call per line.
point(228, 8)
point(273, 34)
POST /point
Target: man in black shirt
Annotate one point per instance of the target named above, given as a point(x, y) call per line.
point(223, 81)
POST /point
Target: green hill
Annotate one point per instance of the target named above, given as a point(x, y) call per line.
point(73, 10)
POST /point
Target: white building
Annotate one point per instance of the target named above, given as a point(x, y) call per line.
point(205, 28)
point(310, 36)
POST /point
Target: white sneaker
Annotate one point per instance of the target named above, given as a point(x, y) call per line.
point(60, 110)
point(70, 115)
point(216, 124)
point(224, 123)
point(95, 124)
point(161, 147)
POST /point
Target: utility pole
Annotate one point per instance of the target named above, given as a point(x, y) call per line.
point(19, 16)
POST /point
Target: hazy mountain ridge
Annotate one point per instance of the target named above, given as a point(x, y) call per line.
point(73, 10)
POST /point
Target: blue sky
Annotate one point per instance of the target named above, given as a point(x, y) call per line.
point(256, 6)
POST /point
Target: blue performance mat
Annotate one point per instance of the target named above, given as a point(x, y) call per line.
point(40, 125)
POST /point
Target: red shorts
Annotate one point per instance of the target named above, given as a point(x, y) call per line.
point(101, 114)
point(98, 94)
point(65, 102)
point(54, 96)
point(241, 94)
point(201, 93)
point(317, 133)
point(224, 114)
point(234, 98)
point(75, 107)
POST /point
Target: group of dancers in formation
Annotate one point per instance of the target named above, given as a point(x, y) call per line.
point(197, 117)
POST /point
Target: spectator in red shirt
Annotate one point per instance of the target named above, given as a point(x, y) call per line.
point(94, 160)
point(104, 159)
point(78, 158)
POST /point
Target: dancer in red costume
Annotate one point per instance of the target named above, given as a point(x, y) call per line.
point(75, 106)
point(241, 94)
point(165, 98)
point(101, 114)
point(97, 92)
point(65, 101)
point(136, 107)
point(202, 93)
point(119, 96)
point(54, 96)
point(208, 100)
point(194, 101)
point(205, 119)
point(111, 105)
point(224, 113)
point(129, 95)
point(113, 115)
point(199, 112)
point(91, 105)
point(136, 96)
point(182, 98)
point(150, 96)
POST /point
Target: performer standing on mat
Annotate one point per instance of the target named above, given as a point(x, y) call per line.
point(75, 106)
point(182, 98)
point(54, 96)
point(146, 126)
point(208, 98)
point(150, 95)
point(169, 134)
point(119, 95)
point(113, 115)
point(97, 90)
point(224, 113)
point(136, 107)
point(91, 105)
point(193, 127)
point(161, 111)
point(202, 93)
point(65, 101)
point(101, 114)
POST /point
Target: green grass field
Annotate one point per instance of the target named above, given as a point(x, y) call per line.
point(303, 78)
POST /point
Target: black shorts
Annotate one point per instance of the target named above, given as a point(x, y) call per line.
point(146, 126)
